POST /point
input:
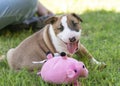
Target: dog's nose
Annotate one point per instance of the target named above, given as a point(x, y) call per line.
point(72, 39)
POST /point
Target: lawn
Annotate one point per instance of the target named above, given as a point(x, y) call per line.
point(101, 36)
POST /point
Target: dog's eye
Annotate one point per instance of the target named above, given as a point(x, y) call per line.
point(61, 27)
point(74, 23)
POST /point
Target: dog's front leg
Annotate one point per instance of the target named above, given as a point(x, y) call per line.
point(83, 52)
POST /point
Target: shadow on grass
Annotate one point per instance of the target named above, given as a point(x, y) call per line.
point(89, 17)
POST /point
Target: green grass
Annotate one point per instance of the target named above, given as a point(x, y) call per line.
point(101, 36)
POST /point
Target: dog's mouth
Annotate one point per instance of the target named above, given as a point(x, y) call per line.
point(72, 47)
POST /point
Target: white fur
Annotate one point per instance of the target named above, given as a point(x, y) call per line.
point(9, 56)
point(58, 44)
point(94, 61)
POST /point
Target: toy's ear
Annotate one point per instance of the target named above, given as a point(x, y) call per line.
point(51, 20)
point(70, 73)
point(63, 55)
point(49, 55)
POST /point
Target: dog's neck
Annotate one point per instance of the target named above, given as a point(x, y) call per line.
point(58, 44)
point(47, 39)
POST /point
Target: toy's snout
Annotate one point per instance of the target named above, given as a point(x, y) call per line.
point(83, 70)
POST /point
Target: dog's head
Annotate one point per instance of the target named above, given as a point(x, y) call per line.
point(67, 28)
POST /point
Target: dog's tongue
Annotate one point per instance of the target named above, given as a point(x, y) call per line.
point(71, 47)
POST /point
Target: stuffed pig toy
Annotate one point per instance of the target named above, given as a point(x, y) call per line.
point(61, 69)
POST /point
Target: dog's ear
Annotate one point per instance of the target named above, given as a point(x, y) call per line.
point(75, 15)
point(51, 20)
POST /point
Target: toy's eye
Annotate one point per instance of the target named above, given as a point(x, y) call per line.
point(83, 66)
point(75, 71)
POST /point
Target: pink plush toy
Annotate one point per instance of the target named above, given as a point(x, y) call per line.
point(62, 69)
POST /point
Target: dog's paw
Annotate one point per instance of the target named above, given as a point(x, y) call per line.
point(2, 57)
point(100, 65)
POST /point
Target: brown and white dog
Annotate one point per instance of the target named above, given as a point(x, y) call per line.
point(61, 34)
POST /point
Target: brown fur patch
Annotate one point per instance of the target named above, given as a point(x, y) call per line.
point(57, 26)
point(73, 22)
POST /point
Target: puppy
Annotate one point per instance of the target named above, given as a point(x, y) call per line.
point(61, 34)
